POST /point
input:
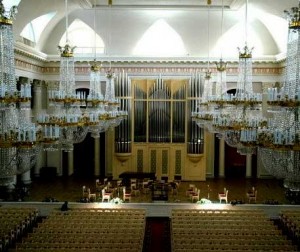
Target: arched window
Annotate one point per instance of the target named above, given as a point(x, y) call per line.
point(33, 30)
point(83, 37)
point(160, 40)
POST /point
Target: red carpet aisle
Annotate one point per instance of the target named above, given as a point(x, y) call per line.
point(157, 235)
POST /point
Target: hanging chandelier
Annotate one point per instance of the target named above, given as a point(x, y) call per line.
point(280, 140)
point(65, 120)
point(95, 102)
point(203, 114)
point(19, 137)
point(241, 113)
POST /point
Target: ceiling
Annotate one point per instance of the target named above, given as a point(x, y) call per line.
point(122, 25)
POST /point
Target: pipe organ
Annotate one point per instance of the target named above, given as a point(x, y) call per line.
point(159, 134)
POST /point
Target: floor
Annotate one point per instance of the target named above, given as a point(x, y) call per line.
point(70, 189)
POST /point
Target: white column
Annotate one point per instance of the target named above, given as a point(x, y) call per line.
point(96, 157)
point(37, 107)
point(37, 93)
point(222, 158)
point(26, 116)
point(70, 163)
point(109, 151)
point(209, 153)
point(248, 165)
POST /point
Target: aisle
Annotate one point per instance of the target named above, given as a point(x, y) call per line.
point(157, 235)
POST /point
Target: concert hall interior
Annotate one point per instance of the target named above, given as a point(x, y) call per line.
point(150, 125)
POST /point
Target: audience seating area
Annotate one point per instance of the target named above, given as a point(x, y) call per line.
point(88, 230)
point(222, 230)
point(290, 223)
point(123, 230)
point(14, 223)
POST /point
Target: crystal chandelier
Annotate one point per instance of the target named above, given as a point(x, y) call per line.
point(203, 115)
point(280, 139)
point(95, 100)
point(66, 123)
point(221, 85)
point(18, 135)
point(112, 116)
point(241, 113)
point(96, 103)
point(113, 113)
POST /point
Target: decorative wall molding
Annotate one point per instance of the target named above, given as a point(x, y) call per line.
point(39, 66)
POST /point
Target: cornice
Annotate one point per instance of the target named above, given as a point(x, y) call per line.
point(28, 59)
point(29, 52)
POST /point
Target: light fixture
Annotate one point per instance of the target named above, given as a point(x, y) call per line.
point(203, 115)
point(221, 85)
point(113, 115)
point(65, 120)
point(241, 113)
point(280, 140)
point(95, 102)
point(18, 135)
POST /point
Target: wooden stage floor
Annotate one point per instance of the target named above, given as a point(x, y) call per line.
point(70, 189)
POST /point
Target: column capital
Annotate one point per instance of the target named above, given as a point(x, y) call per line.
point(52, 85)
point(23, 80)
point(37, 83)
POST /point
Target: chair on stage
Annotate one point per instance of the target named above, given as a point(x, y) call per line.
point(105, 181)
point(223, 195)
point(126, 196)
point(251, 195)
point(190, 190)
point(105, 195)
point(86, 194)
point(119, 183)
point(196, 195)
point(134, 189)
point(174, 188)
point(98, 185)
point(145, 187)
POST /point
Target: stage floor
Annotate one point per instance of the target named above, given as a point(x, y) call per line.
point(70, 189)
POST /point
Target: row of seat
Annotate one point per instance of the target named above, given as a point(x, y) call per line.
point(66, 231)
point(85, 231)
point(239, 232)
point(80, 246)
point(211, 231)
point(238, 240)
point(232, 220)
point(14, 223)
point(110, 249)
point(84, 212)
point(290, 222)
point(70, 221)
point(231, 247)
point(91, 233)
point(77, 239)
point(86, 226)
point(216, 212)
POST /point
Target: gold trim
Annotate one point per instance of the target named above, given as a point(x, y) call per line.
point(123, 157)
point(294, 24)
point(195, 158)
point(6, 21)
point(245, 55)
point(290, 103)
point(66, 55)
